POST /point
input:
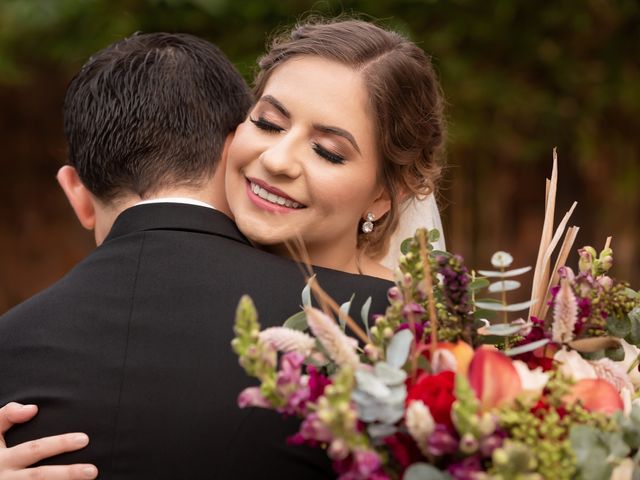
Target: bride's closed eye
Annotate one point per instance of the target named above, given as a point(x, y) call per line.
point(265, 125)
point(328, 154)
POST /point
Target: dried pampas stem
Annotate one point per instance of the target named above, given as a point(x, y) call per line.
point(565, 249)
point(299, 252)
point(433, 317)
point(324, 299)
point(547, 229)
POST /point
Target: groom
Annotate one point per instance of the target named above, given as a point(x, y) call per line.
point(132, 346)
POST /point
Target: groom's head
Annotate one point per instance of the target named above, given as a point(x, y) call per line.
point(148, 114)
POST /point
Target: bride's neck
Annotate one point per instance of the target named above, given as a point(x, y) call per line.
point(350, 260)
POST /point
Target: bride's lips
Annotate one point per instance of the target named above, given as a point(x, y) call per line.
point(270, 198)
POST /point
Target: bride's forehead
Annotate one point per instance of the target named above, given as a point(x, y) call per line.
point(310, 86)
point(319, 79)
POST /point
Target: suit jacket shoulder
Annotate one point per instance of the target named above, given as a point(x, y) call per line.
point(133, 347)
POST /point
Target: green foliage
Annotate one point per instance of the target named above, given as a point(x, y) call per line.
point(520, 76)
point(257, 359)
point(464, 411)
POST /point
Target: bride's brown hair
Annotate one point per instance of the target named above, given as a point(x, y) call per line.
point(405, 98)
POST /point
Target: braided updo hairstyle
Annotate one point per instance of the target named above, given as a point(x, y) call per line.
point(405, 99)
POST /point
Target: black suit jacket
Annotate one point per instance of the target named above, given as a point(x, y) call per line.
point(133, 347)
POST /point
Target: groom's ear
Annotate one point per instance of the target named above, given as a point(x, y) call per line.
point(79, 196)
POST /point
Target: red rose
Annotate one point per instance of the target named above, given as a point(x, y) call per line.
point(436, 392)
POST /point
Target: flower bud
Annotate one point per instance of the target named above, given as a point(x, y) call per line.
point(387, 332)
point(394, 294)
point(489, 444)
point(371, 352)
point(338, 449)
point(606, 263)
point(487, 424)
point(606, 282)
point(468, 444)
point(587, 256)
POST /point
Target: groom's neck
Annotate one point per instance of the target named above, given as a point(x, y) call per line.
point(107, 212)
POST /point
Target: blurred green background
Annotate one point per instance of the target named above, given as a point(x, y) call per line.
point(520, 77)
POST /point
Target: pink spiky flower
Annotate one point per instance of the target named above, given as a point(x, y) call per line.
point(341, 349)
point(565, 313)
point(288, 340)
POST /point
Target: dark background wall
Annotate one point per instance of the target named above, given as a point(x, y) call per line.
point(521, 77)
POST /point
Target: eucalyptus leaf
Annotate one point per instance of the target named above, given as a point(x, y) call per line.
point(344, 308)
point(527, 347)
point(434, 235)
point(501, 329)
point(631, 293)
point(498, 307)
point(504, 286)
point(389, 375)
point(424, 471)
point(619, 326)
point(306, 293)
point(507, 274)
point(405, 245)
point(390, 413)
point(380, 430)
point(634, 319)
point(501, 259)
point(616, 353)
point(297, 321)
point(369, 383)
point(399, 348)
point(364, 315)
point(478, 284)
point(440, 253)
point(591, 455)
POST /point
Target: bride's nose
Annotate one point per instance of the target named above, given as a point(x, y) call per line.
point(283, 158)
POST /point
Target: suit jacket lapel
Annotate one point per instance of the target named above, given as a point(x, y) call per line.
point(175, 216)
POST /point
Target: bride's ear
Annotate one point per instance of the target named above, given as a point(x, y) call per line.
point(380, 205)
point(80, 198)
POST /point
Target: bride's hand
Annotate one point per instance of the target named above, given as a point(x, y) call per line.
point(15, 460)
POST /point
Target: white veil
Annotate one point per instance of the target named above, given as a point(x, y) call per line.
point(415, 214)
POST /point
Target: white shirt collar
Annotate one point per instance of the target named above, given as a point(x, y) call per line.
point(187, 200)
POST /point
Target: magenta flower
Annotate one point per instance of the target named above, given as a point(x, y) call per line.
point(362, 465)
point(251, 397)
point(442, 442)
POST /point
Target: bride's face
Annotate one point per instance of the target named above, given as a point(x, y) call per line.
point(305, 161)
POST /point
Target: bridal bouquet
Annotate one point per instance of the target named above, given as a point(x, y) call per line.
point(434, 390)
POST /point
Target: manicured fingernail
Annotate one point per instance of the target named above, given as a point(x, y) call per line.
point(29, 407)
point(90, 472)
point(81, 439)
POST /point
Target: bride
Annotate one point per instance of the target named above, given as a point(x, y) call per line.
point(342, 145)
point(347, 129)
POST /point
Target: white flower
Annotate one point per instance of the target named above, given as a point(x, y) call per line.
point(572, 365)
point(420, 424)
point(613, 372)
point(288, 340)
point(340, 348)
point(631, 352)
point(533, 381)
point(565, 313)
point(443, 361)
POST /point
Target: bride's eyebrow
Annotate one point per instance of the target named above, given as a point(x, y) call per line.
point(340, 132)
point(278, 106)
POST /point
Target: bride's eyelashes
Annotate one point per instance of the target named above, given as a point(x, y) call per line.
point(265, 125)
point(327, 154)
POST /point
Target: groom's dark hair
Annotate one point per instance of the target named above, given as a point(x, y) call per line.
point(152, 111)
